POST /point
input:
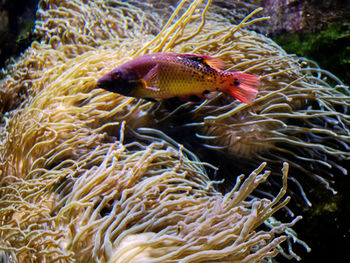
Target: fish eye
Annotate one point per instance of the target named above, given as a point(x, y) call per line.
point(117, 75)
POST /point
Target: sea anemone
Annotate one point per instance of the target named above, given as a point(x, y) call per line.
point(116, 202)
point(75, 187)
point(298, 116)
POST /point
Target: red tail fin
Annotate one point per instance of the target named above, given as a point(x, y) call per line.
point(241, 86)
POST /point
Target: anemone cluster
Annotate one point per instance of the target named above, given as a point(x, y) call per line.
point(77, 187)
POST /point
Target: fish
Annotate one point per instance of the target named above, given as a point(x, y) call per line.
point(189, 77)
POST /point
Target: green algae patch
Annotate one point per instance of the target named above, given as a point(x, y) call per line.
point(329, 47)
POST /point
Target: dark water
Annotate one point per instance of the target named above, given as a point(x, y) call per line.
point(16, 25)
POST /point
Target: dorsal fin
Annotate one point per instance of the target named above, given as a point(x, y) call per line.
point(215, 63)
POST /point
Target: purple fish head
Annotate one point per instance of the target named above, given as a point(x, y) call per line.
point(123, 82)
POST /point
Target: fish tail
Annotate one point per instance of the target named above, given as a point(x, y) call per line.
point(241, 86)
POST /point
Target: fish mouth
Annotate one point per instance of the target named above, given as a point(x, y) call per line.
point(105, 83)
point(121, 86)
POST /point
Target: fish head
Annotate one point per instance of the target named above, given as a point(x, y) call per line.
point(120, 81)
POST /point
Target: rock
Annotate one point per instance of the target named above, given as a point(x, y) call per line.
point(295, 15)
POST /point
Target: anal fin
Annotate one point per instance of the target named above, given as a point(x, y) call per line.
point(192, 98)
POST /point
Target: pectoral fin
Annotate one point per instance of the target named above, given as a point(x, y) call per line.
point(151, 79)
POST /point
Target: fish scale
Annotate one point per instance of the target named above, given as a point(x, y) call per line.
point(184, 75)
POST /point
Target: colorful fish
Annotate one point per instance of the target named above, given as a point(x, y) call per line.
point(189, 77)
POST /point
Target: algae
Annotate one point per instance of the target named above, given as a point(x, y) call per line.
point(329, 47)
